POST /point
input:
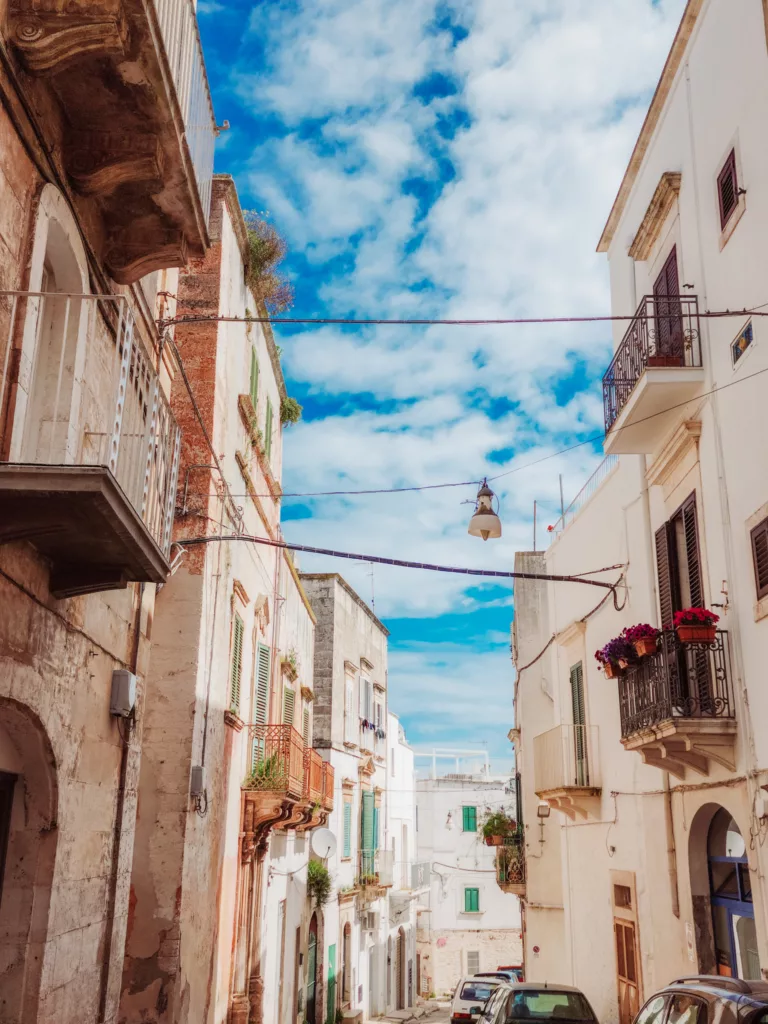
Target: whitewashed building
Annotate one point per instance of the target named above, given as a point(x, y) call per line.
point(656, 779)
point(469, 923)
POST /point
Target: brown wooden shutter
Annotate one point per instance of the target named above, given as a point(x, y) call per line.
point(666, 291)
point(760, 557)
point(728, 189)
point(664, 571)
point(692, 551)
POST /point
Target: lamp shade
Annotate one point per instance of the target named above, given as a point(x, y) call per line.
point(484, 523)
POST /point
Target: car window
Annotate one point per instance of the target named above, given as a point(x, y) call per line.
point(492, 1007)
point(543, 1004)
point(653, 1011)
point(685, 1009)
point(478, 990)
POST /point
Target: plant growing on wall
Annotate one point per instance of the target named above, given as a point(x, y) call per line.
point(318, 883)
point(266, 251)
point(267, 773)
point(290, 411)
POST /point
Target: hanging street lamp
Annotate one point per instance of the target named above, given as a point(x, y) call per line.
point(485, 522)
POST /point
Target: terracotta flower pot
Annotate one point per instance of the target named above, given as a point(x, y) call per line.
point(494, 840)
point(646, 645)
point(611, 671)
point(623, 663)
point(696, 634)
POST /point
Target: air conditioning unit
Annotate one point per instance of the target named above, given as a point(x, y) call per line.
point(370, 921)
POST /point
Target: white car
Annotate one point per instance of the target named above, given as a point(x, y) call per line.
point(471, 994)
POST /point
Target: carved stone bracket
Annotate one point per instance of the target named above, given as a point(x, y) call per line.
point(100, 162)
point(49, 35)
point(261, 812)
point(129, 257)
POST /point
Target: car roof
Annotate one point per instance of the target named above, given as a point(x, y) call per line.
point(724, 987)
point(471, 977)
point(541, 986)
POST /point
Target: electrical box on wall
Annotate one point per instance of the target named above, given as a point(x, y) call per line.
point(197, 781)
point(123, 699)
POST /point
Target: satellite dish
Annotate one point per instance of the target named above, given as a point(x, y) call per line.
point(323, 843)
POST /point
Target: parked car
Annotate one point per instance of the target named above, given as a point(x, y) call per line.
point(513, 974)
point(517, 969)
point(704, 998)
point(470, 997)
point(537, 1001)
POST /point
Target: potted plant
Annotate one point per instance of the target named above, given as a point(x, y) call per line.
point(615, 656)
point(644, 638)
point(696, 625)
point(496, 827)
point(318, 882)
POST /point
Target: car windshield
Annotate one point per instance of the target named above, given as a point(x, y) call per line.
point(532, 1004)
point(477, 990)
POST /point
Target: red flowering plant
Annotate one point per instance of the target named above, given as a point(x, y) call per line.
point(696, 617)
point(644, 631)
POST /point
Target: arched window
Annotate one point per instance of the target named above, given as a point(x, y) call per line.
point(733, 915)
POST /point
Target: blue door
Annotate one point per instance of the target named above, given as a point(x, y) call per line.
point(733, 912)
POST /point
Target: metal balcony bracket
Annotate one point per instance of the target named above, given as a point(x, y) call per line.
point(579, 801)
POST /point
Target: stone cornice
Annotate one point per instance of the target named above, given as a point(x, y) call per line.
point(664, 199)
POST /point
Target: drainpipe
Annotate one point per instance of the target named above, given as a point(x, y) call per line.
point(674, 888)
point(117, 835)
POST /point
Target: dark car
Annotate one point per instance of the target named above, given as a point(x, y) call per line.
point(534, 1001)
point(705, 999)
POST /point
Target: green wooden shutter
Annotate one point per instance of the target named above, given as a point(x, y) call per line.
point(331, 990)
point(580, 769)
point(469, 819)
point(236, 670)
point(347, 829)
point(268, 430)
point(305, 729)
point(471, 901)
point(577, 694)
point(254, 389)
point(367, 823)
point(263, 660)
point(289, 705)
point(375, 828)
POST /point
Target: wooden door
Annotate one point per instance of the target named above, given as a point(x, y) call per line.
point(669, 320)
point(312, 970)
point(7, 783)
point(627, 970)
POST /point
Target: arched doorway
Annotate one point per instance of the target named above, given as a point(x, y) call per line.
point(730, 889)
point(400, 969)
point(312, 971)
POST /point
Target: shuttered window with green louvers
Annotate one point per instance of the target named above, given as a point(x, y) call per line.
point(268, 430)
point(469, 819)
point(578, 771)
point(471, 901)
point(263, 663)
point(254, 388)
point(289, 706)
point(305, 729)
point(367, 828)
point(347, 829)
point(236, 669)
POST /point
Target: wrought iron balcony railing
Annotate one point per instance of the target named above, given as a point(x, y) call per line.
point(679, 681)
point(510, 861)
point(664, 332)
point(277, 760)
point(326, 800)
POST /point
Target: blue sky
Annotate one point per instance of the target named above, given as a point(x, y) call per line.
point(437, 158)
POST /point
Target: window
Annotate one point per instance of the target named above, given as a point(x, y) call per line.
point(678, 563)
point(669, 347)
point(685, 1009)
point(347, 845)
point(469, 819)
point(471, 901)
point(254, 387)
point(653, 1011)
point(742, 343)
point(350, 724)
point(759, 538)
point(728, 189)
point(263, 659)
point(289, 705)
point(477, 991)
point(473, 961)
point(306, 730)
point(368, 824)
point(366, 699)
point(268, 430)
point(622, 896)
point(581, 765)
point(236, 668)
point(544, 1004)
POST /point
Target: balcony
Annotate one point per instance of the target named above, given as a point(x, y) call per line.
point(677, 707)
point(326, 800)
point(138, 131)
point(375, 872)
point(656, 369)
point(273, 791)
point(566, 769)
point(91, 457)
point(510, 864)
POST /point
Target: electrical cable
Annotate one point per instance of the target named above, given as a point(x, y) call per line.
point(403, 564)
point(426, 322)
point(517, 469)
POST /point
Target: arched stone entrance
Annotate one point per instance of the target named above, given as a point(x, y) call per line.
point(28, 838)
point(721, 890)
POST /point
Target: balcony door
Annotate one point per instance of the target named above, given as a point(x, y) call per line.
point(580, 758)
point(668, 315)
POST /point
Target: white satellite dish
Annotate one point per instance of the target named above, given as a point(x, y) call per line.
point(323, 843)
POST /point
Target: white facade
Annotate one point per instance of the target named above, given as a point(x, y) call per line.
point(673, 748)
point(453, 937)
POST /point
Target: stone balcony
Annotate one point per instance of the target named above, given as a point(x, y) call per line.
point(567, 769)
point(135, 131)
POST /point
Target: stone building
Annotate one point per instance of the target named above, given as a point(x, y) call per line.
point(230, 787)
point(104, 189)
point(655, 771)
